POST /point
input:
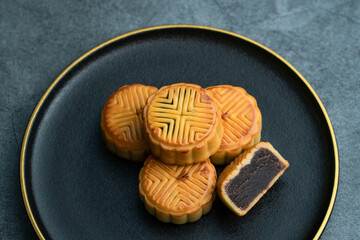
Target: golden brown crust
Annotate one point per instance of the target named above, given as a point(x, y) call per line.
point(241, 119)
point(122, 124)
point(183, 124)
point(233, 169)
point(177, 193)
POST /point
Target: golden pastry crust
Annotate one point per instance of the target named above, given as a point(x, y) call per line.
point(183, 124)
point(122, 124)
point(233, 169)
point(241, 119)
point(177, 193)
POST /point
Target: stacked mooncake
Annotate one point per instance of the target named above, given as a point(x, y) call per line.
point(178, 131)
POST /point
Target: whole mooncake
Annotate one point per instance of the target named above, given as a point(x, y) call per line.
point(183, 124)
point(122, 124)
point(241, 119)
point(246, 179)
point(177, 193)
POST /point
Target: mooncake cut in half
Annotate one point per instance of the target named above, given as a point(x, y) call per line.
point(121, 122)
point(183, 124)
point(241, 119)
point(177, 193)
point(245, 180)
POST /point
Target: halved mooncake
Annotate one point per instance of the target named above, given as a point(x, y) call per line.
point(245, 180)
point(177, 193)
point(241, 119)
point(122, 124)
point(183, 124)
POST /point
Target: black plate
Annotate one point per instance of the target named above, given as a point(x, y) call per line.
point(73, 188)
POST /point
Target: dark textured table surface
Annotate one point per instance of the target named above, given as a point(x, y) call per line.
point(38, 39)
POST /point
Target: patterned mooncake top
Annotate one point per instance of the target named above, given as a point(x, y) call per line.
point(181, 114)
point(122, 118)
point(241, 116)
point(177, 188)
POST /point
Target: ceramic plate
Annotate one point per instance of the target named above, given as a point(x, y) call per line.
point(73, 188)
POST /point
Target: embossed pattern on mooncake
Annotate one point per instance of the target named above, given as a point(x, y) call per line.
point(181, 115)
point(183, 124)
point(177, 193)
point(122, 124)
point(241, 119)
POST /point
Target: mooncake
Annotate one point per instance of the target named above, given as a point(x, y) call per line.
point(121, 122)
point(241, 119)
point(245, 180)
point(183, 124)
point(177, 193)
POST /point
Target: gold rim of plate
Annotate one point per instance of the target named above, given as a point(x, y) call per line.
point(39, 104)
